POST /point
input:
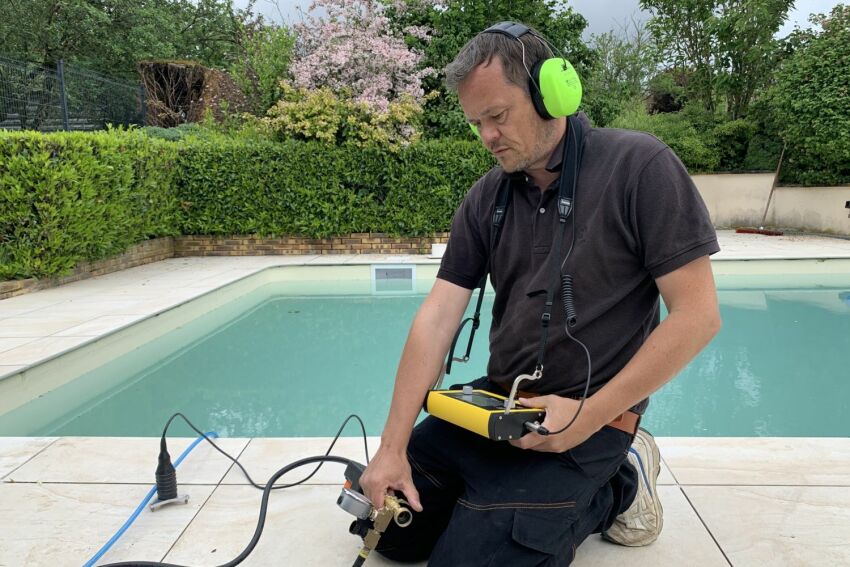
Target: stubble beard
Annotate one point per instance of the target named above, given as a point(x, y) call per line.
point(544, 142)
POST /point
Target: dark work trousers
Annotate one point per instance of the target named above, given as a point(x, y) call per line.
point(490, 503)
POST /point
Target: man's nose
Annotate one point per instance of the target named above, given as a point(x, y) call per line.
point(489, 134)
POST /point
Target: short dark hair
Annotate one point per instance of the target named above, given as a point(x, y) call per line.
point(484, 46)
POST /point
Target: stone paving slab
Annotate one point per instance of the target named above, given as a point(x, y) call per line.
point(777, 525)
point(800, 461)
point(124, 460)
point(55, 525)
point(84, 488)
point(15, 451)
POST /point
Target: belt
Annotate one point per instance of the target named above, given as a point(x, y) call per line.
point(627, 421)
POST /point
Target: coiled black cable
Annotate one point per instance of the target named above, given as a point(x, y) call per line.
point(568, 299)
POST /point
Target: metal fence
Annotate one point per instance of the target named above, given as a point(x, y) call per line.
point(33, 97)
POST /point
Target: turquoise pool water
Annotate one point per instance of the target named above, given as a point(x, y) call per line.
point(297, 365)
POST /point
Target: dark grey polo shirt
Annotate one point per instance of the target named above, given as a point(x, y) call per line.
point(638, 216)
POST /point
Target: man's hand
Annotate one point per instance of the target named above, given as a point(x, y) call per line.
point(389, 471)
point(559, 412)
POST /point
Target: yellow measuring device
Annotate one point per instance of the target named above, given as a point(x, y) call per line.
point(483, 412)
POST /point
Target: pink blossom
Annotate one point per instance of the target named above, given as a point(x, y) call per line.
point(353, 48)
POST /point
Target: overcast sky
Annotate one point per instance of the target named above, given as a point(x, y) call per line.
point(602, 15)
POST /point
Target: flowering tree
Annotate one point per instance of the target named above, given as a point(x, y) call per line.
point(354, 49)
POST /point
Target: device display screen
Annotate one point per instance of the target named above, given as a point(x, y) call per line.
point(480, 400)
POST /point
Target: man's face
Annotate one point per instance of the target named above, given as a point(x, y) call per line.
point(505, 117)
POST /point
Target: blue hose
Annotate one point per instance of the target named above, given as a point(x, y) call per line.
point(142, 505)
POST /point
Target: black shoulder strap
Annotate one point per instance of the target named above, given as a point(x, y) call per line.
point(566, 197)
point(503, 200)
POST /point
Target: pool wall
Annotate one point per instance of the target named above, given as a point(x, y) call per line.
point(231, 301)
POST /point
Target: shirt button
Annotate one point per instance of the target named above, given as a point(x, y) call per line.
point(542, 210)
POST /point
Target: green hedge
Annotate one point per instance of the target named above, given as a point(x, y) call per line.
point(71, 197)
point(318, 190)
point(67, 198)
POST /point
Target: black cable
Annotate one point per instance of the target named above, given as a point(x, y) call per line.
point(543, 430)
point(570, 314)
point(238, 464)
point(260, 522)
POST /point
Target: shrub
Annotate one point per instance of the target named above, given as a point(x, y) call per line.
point(732, 142)
point(766, 143)
point(72, 197)
point(675, 130)
point(809, 104)
point(322, 115)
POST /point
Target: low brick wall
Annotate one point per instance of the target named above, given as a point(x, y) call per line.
point(149, 251)
point(359, 243)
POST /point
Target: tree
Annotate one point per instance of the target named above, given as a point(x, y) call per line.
point(623, 64)
point(809, 102)
point(725, 46)
point(113, 35)
point(352, 49)
point(262, 60)
point(685, 32)
point(747, 50)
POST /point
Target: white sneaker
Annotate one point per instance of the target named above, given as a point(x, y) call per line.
point(642, 522)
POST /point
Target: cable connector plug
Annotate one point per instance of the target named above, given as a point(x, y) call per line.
point(166, 476)
point(166, 481)
point(536, 428)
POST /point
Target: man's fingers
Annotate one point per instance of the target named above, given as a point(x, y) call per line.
point(412, 496)
point(376, 497)
point(538, 402)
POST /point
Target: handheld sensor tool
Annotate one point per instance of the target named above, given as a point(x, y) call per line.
point(485, 413)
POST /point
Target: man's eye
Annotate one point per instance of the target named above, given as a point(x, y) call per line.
point(501, 116)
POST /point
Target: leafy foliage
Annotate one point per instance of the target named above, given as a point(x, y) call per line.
point(677, 131)
point(65, 198)
point(809, 103)
point(323, 115)
point(622, 65)
point(747, 50)
point(253, 188)
point(112, 35)
point(263, 59)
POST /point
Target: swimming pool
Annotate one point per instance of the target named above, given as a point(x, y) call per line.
point(282, 356)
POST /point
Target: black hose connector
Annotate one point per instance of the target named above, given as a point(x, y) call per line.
point(569, 299)
point(166, 476)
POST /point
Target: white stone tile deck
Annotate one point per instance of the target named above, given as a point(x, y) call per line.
point(727, 501)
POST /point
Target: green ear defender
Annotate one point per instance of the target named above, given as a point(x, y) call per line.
point(554, 84)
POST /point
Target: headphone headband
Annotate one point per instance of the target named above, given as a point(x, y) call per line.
point(510, 29)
